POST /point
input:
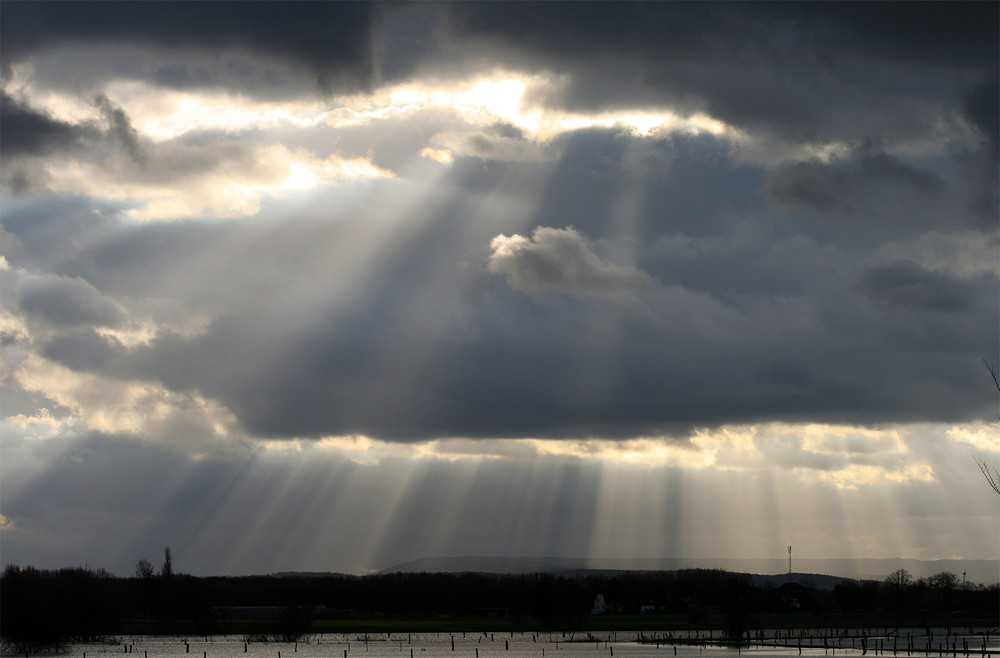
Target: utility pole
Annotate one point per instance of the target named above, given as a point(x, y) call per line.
point(789, 564)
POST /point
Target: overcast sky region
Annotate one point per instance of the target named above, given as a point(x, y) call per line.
point(334, 286)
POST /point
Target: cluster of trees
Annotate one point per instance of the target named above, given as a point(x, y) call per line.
point(43, 608)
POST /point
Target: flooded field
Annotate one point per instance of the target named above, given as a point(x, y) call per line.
point(886, 642)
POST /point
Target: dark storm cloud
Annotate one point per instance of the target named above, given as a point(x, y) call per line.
point(66, 301)
point(27, 131)
point(682, 194)
point(331, 39)
point(982, 107)
point(696, 287)
point(868, 182)
point(89, 473)
point(907, 285)
point(120, 128)
point(28, 135)
point(570, 367)
point(928, 32)
point(754, 315)
point(83, 349)
point(48, 232)
point(797, 69)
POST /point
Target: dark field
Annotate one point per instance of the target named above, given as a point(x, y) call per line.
point(46, 609)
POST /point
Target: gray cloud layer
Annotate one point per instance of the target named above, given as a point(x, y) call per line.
point(731, 290)
point(331, 40)
point(829, 255)
point(66, 301)
point(804, 70)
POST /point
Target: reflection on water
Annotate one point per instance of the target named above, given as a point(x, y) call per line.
point(883, 642)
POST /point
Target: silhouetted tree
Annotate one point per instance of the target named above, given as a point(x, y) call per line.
point(144, 569)
point(897, 583)
point(44, 610)
point(27, 624)
point(168, 566)
point(849, 596)
point(899, 580)
point(991, 473)
point(945, 580)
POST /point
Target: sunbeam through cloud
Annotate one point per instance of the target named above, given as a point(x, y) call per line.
point(332, 287)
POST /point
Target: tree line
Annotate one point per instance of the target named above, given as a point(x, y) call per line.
point(42, 609)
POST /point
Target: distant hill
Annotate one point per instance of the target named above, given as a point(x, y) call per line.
point(977, 571)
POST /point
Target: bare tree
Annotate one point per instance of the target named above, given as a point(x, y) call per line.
point(899, 580)
point(144, 569)
point(990, 472)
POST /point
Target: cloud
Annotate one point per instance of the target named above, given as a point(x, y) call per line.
point(959, 253)
point(67, 301)
point(26, 131)
point(488, 146)
point(906, 285)
point(28, 134)
point(203, 174)
point(867, 184)
point(539, 503)
point(120, 128)
point(472, 283)
point(330, 40)
point(93, 401)
point(558, 260)
point(814, 72)
point(981, 104)
point(367, 310)
point(84, 350)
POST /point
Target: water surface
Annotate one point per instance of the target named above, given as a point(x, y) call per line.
point(907, 642)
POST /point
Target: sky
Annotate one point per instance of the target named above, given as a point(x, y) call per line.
point(334, 286)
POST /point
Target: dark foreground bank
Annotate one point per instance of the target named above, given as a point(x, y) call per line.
point(42, 610)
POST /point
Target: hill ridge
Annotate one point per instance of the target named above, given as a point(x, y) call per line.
point(976, 571)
